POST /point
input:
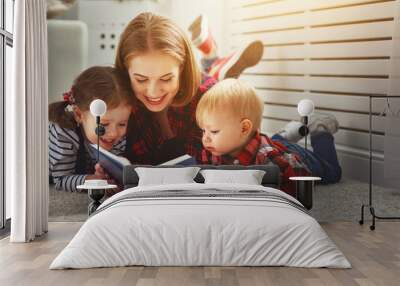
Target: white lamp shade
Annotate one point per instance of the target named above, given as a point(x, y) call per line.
point(98, 107)
point(305, 107)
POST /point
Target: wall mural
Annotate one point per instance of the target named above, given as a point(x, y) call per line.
point(163, 107)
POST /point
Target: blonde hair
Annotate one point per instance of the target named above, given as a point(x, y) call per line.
point(233, 95)
point(150, 32)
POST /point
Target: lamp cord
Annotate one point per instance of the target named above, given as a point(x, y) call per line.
point(98, 150)
point(98, 138)
point(305, 142)
point(305, 123)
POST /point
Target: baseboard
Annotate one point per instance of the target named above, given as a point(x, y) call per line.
point(356, 166)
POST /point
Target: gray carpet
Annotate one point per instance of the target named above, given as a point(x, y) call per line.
point(67, 206)
point(338, 202)
point(343, 201)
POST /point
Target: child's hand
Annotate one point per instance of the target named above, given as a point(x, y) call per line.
point(100, 171)
point(99, 174)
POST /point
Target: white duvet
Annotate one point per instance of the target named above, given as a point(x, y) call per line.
point(182, 231)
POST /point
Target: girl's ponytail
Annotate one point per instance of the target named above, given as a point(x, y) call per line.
point(59, 115)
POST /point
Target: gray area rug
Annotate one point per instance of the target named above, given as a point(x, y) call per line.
point(67, 206)
point(337, 202)
point(343, 201)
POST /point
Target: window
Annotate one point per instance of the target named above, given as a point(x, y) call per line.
point(6, 44)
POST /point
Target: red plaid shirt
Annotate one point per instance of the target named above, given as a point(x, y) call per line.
point(144, 140)
point(262, 150)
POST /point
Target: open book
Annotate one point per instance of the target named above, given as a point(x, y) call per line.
point(114, 165)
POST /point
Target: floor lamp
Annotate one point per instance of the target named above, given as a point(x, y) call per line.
point(305, 184)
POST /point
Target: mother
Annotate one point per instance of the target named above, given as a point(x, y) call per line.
point(157, 58)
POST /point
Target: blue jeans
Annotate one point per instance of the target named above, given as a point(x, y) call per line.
point(207, 63)
point(322, 161)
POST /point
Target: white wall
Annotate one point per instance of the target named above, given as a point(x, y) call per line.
point(115, 15)
point(335, 52)
point(183, 12)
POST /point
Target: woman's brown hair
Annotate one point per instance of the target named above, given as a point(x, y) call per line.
point(150, 32)
point(104, 83)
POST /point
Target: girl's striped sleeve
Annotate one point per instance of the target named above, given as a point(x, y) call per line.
point(63, 155)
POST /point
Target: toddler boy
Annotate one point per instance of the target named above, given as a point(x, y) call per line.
point(230, 115)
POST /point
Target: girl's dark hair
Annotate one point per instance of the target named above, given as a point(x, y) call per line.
point(97, 82)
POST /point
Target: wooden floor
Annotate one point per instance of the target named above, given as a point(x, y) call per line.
point(375, 257)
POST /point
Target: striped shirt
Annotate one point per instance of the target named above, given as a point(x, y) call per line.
point(63, 157)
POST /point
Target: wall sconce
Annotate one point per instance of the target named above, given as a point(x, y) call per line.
point(98, 108)
point(305, 108)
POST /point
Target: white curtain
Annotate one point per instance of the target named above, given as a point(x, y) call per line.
point(26, 124)
point(392, 120)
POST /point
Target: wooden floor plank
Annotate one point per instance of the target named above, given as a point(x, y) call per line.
point(374, 255)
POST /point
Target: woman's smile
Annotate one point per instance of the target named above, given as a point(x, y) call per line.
point(155, 100)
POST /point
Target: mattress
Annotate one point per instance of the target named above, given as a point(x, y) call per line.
point(201, 225)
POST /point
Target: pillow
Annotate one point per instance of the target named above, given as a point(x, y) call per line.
point(162, 176)
point(249, 177)
point(270, 179)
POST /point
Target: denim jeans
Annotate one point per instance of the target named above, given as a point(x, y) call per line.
point(322, 161)
point(206, 63)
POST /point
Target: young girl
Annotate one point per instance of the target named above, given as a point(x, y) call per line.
point(72, 126)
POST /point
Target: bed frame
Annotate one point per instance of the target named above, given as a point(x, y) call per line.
point(270, 179)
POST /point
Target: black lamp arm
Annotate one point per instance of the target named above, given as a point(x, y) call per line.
point(304, 120)
point(100, 131)
point(304, 129)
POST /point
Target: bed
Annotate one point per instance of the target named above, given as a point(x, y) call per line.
point(201, 224)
